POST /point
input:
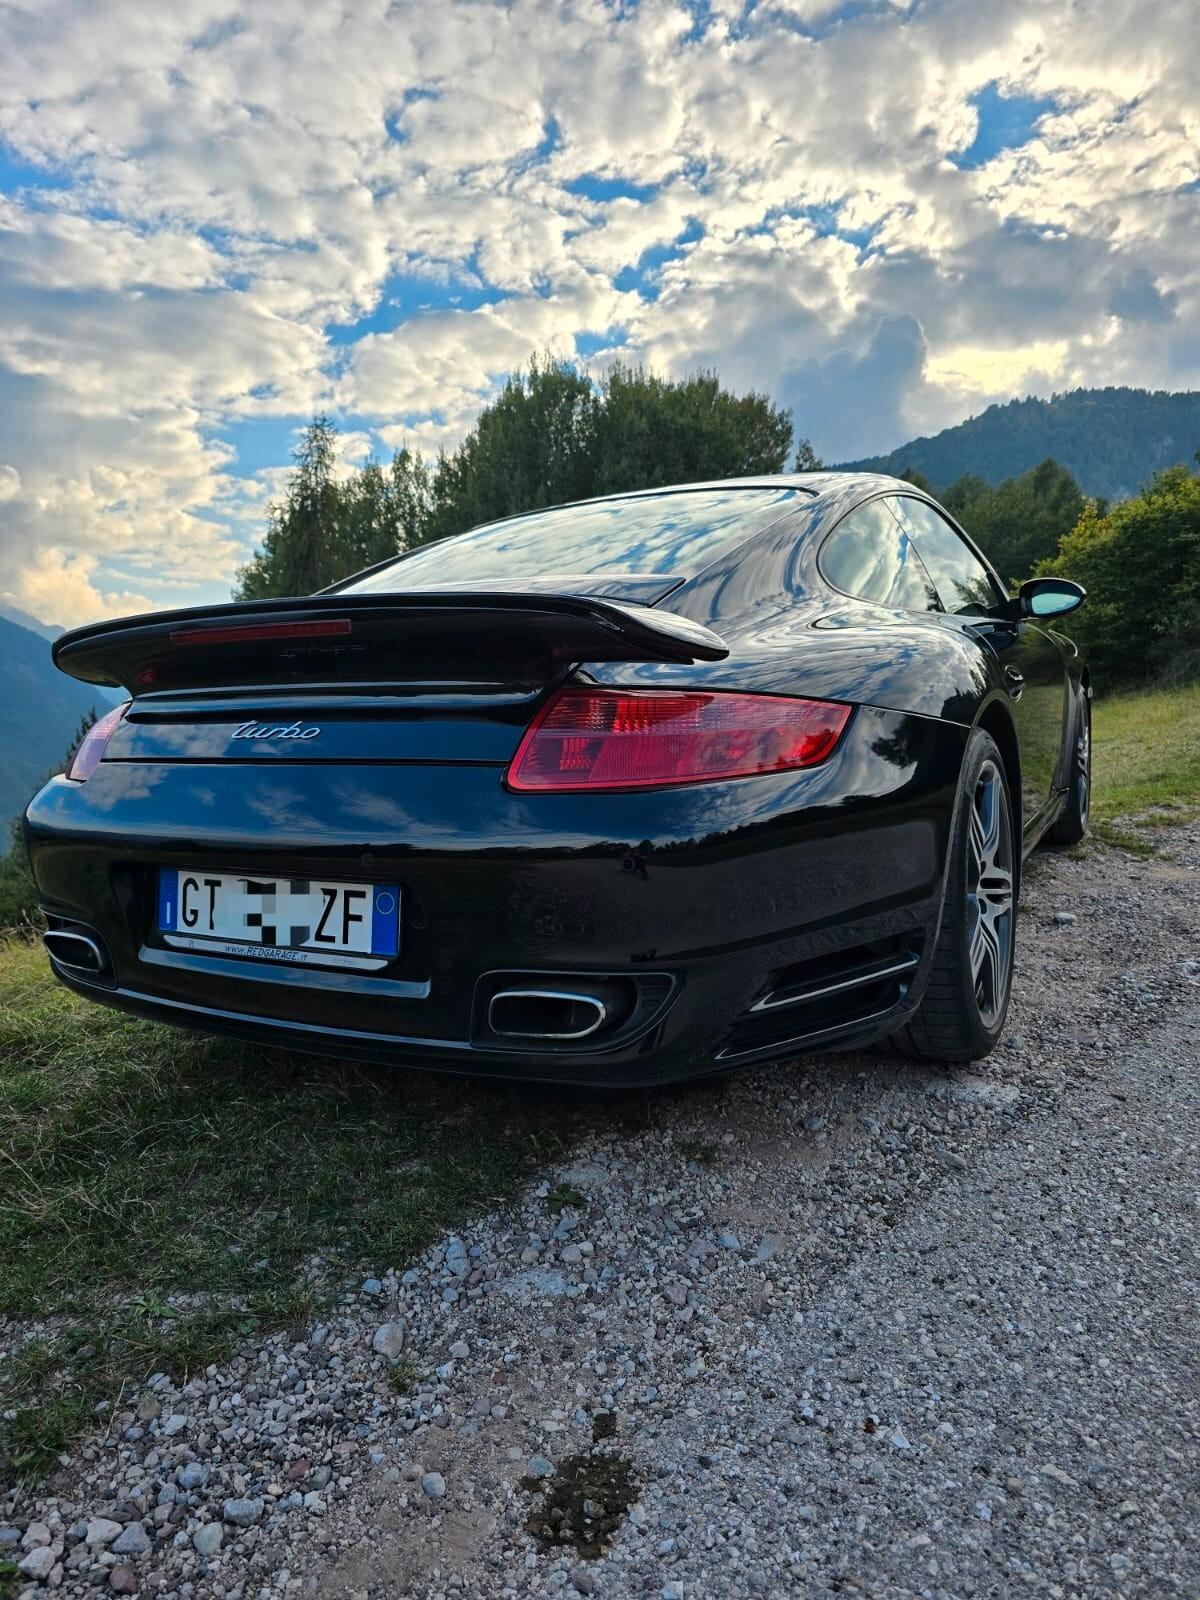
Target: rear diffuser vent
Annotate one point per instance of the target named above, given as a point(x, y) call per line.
point(826, 996)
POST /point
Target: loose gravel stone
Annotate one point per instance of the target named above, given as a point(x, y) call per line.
point(39, 1563)
point(208, 1539)
point(243, 1512)
point(434, 1485)
point(132, 1541)
point(389, 1339)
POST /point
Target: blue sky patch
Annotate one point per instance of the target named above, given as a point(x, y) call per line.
point(262, 442)
point(407, 294)
point(591, 187)
point(17, 173)
point(1005, 123)
point(589, 344)
point(644, 276)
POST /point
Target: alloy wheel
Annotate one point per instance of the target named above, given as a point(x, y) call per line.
point(990, 893)
point(1083, 760)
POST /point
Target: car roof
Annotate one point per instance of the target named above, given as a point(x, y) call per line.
point(814, 483)
point(817, 485)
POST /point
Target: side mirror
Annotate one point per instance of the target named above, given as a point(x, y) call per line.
point(1050, 597)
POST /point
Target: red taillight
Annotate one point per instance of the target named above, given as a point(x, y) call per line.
point(251, 632)
point(94, 743)
point(615, 739)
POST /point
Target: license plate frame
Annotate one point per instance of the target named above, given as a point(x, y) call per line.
point(275, 917)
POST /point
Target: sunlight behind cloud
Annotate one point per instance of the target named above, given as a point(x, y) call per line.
point(987, 371)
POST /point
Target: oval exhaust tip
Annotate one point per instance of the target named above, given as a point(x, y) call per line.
point(74, 950)
point(545, 1014)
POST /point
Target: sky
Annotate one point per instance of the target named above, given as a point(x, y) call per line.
point(218, 219)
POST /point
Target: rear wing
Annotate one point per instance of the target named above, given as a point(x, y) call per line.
point(451, 636)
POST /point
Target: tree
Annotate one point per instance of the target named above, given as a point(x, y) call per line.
point(412, 497)
point(551, 435)
point(1140, 563)
point(381, 512)
point(653, 431)
point(326, 527)
point(1021, 522)
point(533, 446)
point(302, 549)
point(918, 480)
point(807, 459)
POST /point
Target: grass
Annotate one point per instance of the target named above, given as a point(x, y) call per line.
point(563, 1198)
point(1146, 754)
point(164, 1196)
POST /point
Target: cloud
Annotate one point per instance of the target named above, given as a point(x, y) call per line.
point(216, 218)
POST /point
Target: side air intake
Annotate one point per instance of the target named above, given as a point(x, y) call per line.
point(817, 1000)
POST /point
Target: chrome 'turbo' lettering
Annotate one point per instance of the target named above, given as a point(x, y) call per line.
point(265, 730)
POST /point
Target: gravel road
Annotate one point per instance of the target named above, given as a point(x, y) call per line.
point(846, 1327)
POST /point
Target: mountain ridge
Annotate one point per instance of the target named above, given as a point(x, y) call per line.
point(40, 712)
point(1112, 440)
point(25, 619)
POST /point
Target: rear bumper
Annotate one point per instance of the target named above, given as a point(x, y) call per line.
point(791, 886)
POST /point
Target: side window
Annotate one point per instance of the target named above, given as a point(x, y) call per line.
point(963, 583)
point(871, 556)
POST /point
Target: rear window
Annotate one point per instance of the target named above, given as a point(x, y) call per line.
point(678, 533)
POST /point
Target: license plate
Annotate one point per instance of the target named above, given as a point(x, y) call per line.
point(305, 921)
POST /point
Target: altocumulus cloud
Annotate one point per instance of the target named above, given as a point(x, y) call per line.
point(215, 218)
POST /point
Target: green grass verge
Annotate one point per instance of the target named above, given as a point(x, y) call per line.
point(1146, 754)
point(162, 1195)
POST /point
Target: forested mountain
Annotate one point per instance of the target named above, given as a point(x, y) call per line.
point(40, 712)
point(1111, 440)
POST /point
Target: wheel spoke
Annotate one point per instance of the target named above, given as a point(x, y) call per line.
point(978, 842)
point(989, 891)
point(978, 951)
point(991, 818)
point(991, 946)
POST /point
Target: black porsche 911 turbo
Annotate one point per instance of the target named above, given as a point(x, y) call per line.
point(616, 792)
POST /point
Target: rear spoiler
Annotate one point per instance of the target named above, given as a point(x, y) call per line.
point(454, 636)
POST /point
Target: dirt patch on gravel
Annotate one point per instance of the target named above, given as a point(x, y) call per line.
point(583, 1504)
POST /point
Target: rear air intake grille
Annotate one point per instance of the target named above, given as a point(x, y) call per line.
point(826, 996)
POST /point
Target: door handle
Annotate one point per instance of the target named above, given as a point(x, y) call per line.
point(1014, 682)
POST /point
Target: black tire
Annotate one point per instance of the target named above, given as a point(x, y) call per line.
point(962, 1014)
point(1072, 824)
